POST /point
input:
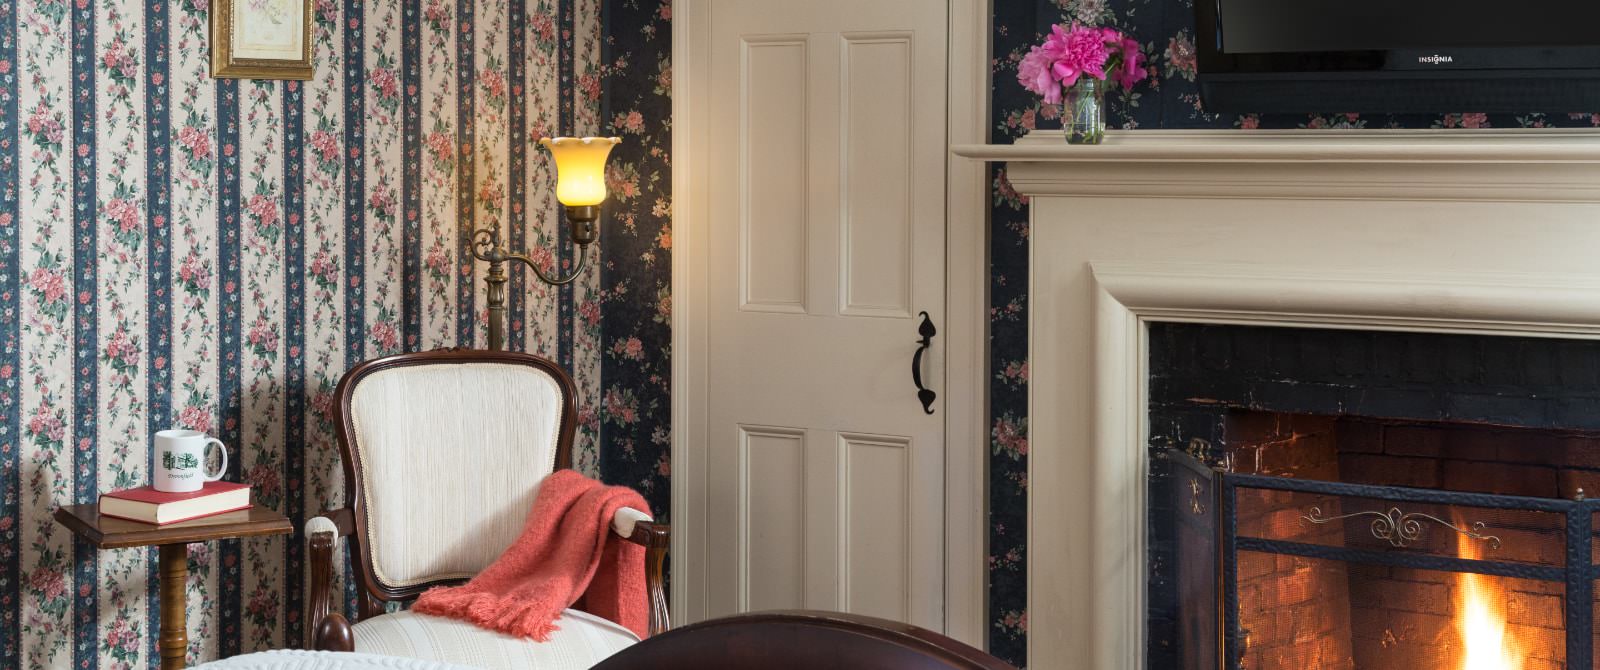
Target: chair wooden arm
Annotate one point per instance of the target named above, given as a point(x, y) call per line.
point(656, 538)
point(330, 630)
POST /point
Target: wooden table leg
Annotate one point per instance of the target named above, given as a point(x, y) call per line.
point(174, 581)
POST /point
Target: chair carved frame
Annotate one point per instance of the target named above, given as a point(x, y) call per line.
point(330, 630)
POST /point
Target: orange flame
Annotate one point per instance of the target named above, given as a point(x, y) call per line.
point(1481, 618)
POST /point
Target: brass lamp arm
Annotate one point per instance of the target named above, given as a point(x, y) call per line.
point(583, 255)
point(486, 247)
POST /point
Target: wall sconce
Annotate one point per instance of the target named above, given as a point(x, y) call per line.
point(581, 187)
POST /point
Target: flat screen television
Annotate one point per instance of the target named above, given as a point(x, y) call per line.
point(1398, 56)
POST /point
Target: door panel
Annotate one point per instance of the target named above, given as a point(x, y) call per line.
point(875, 181)
point(877, 538)
point(773, 181)
point(773, 486)
point(826, 205)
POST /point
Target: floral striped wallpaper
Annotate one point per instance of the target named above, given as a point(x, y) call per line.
point(182, 251)
point(1168, 99)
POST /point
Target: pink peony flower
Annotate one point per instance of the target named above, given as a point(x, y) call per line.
point(1132, 71)
point(1070, 53)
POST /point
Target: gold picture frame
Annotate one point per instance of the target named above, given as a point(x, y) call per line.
point(275, 46)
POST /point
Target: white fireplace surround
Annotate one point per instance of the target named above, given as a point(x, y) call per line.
point(1488, 232)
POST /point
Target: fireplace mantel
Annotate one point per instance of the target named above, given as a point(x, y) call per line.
point(1517, 164)
point(1491, 232)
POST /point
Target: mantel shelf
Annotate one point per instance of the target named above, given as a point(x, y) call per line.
point(1521, 145)
point(1541, 165)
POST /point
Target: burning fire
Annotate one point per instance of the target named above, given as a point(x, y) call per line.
point(1481, 618)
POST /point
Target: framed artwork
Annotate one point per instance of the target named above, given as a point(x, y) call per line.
point(261, 39)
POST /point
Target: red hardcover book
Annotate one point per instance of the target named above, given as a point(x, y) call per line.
point(159, 507)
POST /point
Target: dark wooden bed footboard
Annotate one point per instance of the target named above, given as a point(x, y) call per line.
point(795, 640)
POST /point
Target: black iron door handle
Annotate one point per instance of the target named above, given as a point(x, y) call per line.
point(925, 394)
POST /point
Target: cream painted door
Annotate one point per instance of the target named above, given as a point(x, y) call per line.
point(827, 216)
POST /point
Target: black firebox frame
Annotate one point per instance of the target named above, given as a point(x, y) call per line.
point(1207, 507)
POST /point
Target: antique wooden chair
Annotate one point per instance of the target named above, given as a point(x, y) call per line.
point(443, 452)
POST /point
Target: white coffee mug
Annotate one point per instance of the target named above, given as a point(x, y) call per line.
point(181, 461)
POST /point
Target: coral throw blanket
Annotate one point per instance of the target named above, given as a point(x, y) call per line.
point(566, 556)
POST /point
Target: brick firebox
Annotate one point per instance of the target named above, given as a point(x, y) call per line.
point(1486, 414)
point(1306, 613)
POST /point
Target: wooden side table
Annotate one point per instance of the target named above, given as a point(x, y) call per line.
point(172, 539)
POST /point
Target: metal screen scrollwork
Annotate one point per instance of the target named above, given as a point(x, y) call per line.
point(1400, 529)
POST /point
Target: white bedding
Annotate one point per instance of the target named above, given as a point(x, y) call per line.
point(299, 659)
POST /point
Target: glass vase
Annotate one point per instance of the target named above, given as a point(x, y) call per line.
point(1083, 116)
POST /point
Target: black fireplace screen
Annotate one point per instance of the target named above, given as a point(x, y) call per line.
point(1296, 574)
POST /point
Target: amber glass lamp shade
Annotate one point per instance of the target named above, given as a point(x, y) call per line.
point(580, 168)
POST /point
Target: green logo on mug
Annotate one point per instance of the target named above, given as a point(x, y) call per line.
point(180, 462)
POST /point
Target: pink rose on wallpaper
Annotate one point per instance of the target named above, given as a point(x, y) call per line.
point(631, 122)
point(436, 13)
point(114, 55)
point(326, 145)
point(385, 334)
point(195, 418)
point(322, 266)
point(631, 349)
point(490, 194)
point(265, 209)
point(263, 603)
point(664, 238)
point(543, 25)
point(48, 583)
point(326, 11)
point(589, 83)
point(621, 406)
point(121, 636)
point(382, 202)
point(438, 261)
point(1009, 436)
point(49, 284)
point(196, 141)
point(440, 145)
point(264, 478)
point(42, 124)
point(124, 213)
point(589, 311)
point(621, 184)
point(263, 335)
point(387, 84)
point(322, 404)
point(493, 84)
point(193, 271)
point(1180, 56)
point(121, 349)
point(45, 423)
point(118, 60)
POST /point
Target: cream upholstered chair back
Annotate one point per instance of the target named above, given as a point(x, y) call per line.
point(444, 451)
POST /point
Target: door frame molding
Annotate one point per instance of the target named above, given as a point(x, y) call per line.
point(964, 335)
